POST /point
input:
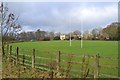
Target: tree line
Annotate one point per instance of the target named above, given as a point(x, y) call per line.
point(110, 32)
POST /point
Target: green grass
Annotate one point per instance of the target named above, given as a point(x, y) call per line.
point(103, 48)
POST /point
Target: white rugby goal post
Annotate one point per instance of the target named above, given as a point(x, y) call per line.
point(81, 36)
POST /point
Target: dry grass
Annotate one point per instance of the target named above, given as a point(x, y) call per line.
point(11, 70)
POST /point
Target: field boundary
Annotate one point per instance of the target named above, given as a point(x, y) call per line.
point(55, 64)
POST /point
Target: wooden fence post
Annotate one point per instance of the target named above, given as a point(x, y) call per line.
point(17, 52)
point(10, 52)
point(3, 51)
point(33, 58)
point(7, 48)
point(96, 69)
point(58, 60)
point(10, 58)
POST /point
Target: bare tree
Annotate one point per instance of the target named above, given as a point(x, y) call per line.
point(52, 35)
point(86, 34)
point(9, 25)
point(76, 34)
point(95, 33)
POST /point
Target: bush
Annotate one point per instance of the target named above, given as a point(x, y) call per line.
point(47, 39)
point(57, 38)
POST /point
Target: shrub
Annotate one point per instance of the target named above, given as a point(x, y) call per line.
point(47, 39)
point(57, 38)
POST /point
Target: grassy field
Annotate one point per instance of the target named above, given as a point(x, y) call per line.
point(104, 48)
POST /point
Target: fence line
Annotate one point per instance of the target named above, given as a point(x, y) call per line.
point(34, 64)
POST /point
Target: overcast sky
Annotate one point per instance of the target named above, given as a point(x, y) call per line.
point(64, 16)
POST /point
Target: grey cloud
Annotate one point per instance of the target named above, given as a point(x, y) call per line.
point(63, 17)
